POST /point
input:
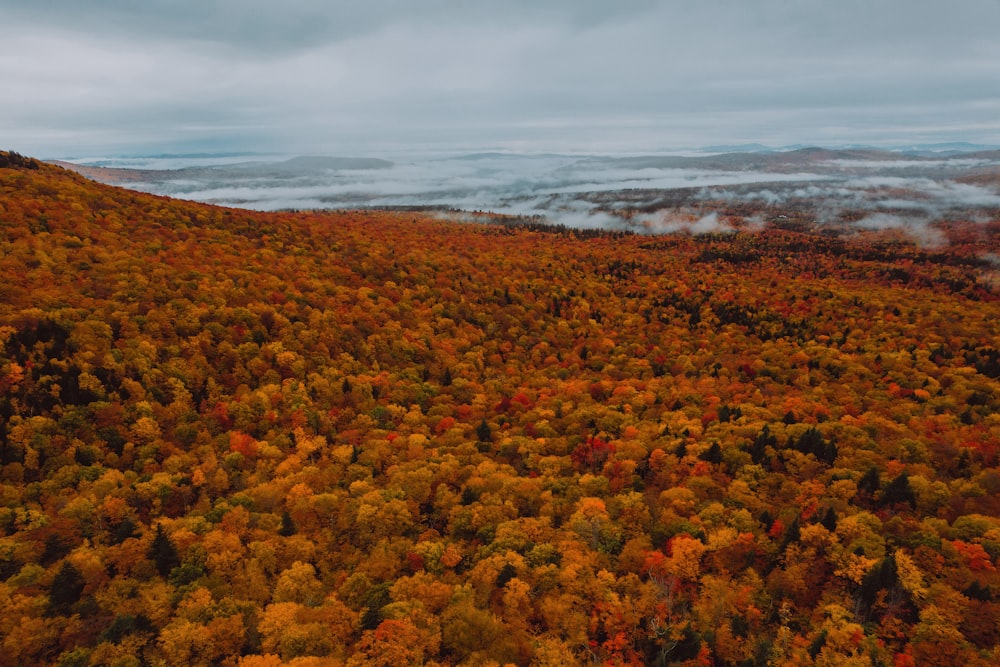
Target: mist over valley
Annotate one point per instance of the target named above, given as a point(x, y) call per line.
point(838, 191)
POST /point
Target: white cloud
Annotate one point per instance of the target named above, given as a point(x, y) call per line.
point(921, 231)
point(671, 222)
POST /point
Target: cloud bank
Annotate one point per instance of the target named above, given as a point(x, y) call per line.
point(524, 75)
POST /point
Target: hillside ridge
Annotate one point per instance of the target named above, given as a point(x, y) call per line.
point(362, 437)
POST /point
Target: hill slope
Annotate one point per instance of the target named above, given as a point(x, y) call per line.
point(239, 438)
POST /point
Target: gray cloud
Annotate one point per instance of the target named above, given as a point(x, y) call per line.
point(370, 77)
point(262, 27)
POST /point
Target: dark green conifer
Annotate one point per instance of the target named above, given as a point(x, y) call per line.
point(713, 454)
point(899, 491)
point(65, 589)
point(870, 483)
point(483, 432)
point(163, 553)
point(287, 525)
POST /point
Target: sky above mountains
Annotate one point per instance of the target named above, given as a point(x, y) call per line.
point(391, 76)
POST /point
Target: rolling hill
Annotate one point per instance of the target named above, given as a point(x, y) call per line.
point(356, 438)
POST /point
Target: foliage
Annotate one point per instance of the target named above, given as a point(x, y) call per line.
point(383, 438)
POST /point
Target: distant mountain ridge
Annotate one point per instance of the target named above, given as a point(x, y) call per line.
point(744, 157)
point(940, 149)
point(781, 161)
point(293, 167)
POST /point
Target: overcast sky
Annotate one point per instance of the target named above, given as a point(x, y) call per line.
point(380, 77)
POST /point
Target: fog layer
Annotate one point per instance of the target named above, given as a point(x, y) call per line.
point(865, 189)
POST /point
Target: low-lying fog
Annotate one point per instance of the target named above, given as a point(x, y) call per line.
point(653, 193)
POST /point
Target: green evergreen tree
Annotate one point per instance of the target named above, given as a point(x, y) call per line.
point(829, 520)
point(483, 432)
point(287, 525)
point(899, 491)
point(163, 552)
point(65, 589)
point(870, 483)
point(713, 454)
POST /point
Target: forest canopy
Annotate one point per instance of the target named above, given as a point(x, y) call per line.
point(378, 437)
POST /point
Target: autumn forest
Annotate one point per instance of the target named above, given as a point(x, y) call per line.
point(395, 438)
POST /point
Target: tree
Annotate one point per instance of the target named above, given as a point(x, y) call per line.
point(713, 454)
point(869, 482)
point(899, 491)
point(392, 644)
point(162, 552)
point(65, 590)
point(483, 432)
point(287, 525)
point(488, 443)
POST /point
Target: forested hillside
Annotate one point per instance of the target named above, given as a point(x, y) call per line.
point(384, 438)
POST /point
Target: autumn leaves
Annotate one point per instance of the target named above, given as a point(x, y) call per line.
point(265, 438)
